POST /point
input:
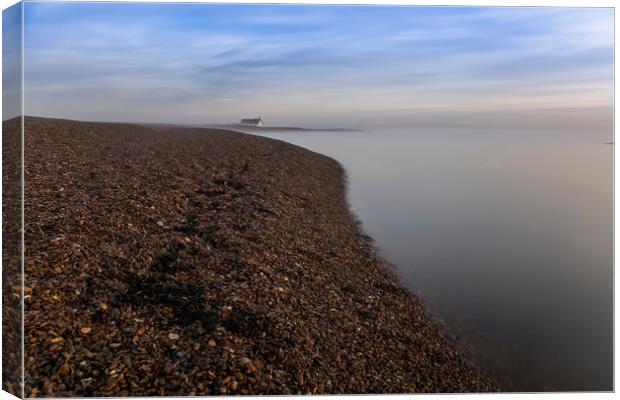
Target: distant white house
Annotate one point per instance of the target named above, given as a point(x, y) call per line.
point(252, 121)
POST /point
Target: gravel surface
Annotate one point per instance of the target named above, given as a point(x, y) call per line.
point(180, 261)
point(11, 257)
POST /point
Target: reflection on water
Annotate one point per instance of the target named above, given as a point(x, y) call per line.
point(507, 237)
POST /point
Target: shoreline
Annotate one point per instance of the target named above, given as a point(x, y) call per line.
point(249, 128)
point(195, 261)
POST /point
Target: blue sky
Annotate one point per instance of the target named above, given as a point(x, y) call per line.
point(11, 62)
point(321, 65)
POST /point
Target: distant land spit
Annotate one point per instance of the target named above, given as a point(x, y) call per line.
point(273, 128)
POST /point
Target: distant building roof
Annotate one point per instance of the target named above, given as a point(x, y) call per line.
point(252, 121)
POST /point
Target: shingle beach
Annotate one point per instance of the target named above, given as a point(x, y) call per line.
point(183, 261)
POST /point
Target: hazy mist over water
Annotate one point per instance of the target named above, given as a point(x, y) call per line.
point(505, 236)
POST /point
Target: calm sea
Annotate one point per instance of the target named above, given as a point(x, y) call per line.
point(506, 236)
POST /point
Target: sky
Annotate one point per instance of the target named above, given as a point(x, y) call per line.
point(11, 62)
point(321, 66)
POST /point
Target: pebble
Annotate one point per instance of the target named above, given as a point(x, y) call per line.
point(64, 369)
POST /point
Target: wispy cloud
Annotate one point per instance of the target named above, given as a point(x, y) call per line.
point(312, 64)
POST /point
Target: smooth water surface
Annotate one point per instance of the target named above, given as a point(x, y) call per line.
point(506, 236)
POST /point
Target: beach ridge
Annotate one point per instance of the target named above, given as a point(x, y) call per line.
point(192, 261)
